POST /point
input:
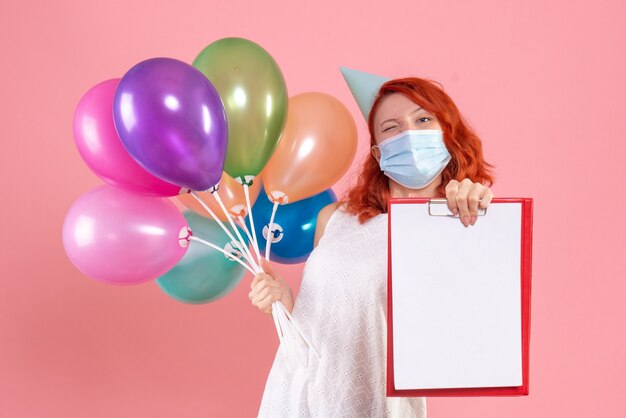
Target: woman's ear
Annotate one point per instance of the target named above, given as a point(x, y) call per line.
point(376, 153)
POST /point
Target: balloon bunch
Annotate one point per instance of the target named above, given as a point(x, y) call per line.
point(204, 133)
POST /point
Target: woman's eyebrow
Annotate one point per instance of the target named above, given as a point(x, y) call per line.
point(395, 120)
point(388, 120)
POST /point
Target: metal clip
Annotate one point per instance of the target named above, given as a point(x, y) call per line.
point(439, 207)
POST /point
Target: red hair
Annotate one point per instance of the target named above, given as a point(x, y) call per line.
point(370, 196)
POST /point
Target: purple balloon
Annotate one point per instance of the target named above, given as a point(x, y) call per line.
point(172, 121)
point(119, 237)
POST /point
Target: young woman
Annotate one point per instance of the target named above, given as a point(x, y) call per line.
point(420, 147)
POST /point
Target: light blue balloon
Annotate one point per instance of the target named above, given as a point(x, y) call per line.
point(203, 274)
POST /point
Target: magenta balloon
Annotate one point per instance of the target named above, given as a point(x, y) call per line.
point(172, 121)
point(118, 237)
point(101, 148)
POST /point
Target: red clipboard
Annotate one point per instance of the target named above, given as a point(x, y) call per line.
point(526, 211)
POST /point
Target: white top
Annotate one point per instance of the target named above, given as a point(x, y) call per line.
point(342, 308)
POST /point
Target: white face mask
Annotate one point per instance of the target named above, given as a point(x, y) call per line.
point(414, 158)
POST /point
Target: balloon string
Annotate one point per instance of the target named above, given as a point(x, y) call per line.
point(214, 216)
point(228, 255)
point(232, 224)
point(277, 307)
point(294, 323)
point(242, 222)
point(255, 243)
point(278, 315)
point(270, 232)
point(283, 331)
point(279, 329)
point(291, 335)
point(282, 318)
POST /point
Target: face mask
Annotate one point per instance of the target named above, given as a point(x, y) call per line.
point(414, 158)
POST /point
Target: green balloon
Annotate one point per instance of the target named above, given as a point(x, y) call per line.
point(254, 94)
point(203, 274)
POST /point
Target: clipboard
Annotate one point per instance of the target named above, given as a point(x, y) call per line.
point(458, 299)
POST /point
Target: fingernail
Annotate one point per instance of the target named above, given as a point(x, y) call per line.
point(466, 220)
point(455, 211)
point(474, 219)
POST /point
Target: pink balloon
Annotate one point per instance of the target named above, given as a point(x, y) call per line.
point(102, 149)
point(118, 237)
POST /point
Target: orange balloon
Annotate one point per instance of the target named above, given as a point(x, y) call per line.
point(317, 147)
point(232, 194)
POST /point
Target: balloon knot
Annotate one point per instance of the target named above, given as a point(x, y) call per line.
point(245, 180)
point(184, 236)
point(240, 214)
point(278, 197)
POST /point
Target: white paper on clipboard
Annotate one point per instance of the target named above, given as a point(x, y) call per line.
point(456, 295)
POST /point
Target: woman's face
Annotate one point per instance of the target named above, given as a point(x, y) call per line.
point(397, 113)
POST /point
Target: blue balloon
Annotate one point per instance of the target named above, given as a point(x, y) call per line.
point(294, 226)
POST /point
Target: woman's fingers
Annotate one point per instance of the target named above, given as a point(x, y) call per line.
point(267, 267)
point(265, 298)
point(265, 305)
point(265, 291)
point(268, 287)
point(486, 199)
point(452, 188)
point(461, 201)
point(265, 288)
point(466, 197)
point(476, 192)
point(456, 197)
point(260, 277)
point(262, 284)
point(262, 294)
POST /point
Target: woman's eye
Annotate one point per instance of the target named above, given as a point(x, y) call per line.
point(425, 119)
point(388, 128)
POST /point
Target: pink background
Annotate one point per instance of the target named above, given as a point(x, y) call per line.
point(543, 83)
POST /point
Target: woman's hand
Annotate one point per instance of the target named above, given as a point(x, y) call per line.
point(269, 287)
point(465, 197)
